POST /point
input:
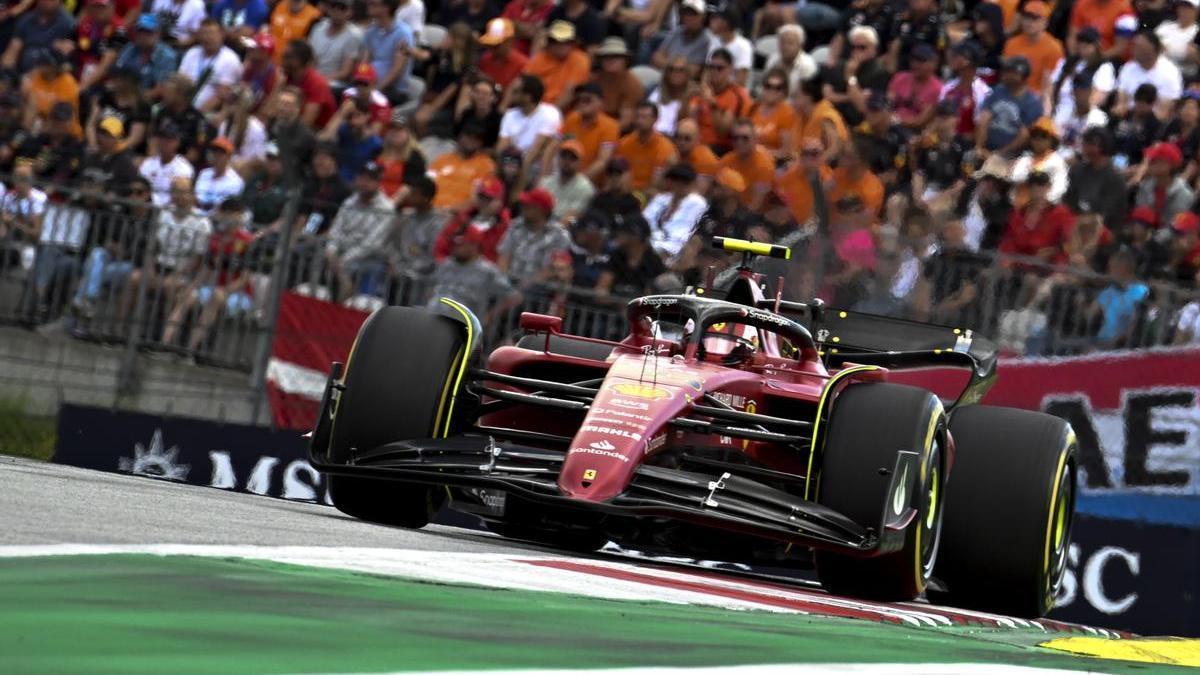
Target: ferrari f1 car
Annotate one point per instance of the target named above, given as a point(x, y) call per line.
point(740, 428)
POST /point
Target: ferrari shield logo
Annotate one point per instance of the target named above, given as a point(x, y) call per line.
point(640, 391)
point(590, 474)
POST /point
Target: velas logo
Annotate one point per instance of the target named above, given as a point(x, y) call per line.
point(155, 461)
point(641, 391)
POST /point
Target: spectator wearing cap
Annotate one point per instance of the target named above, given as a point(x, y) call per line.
point(530, 125)
point(648, 152)
point(292, 20)
point(487, 215)
point(724, 26)
point(241, 18)
point(726, 216)
point(166, 165)
point(525, 18)
point(620, 89)
point(1136, 129)
point(466, 276)
point(294, 138)
point(1008, 111)
point(322, 194)
point(56, 151)
point(885, 144)
point(531, 241)
point(689, 40)
point(596, 133)
point(1038, 229)
point(147, 56)
point(953, 273)
point(634, 266)
point(47, 86)
point(818, 119)
point(1177, 35)
point(589, 248)
point(1042, 50)
point(919, 23)
point(354, 244)
point(966, 89)
point(753, 163)
point(773, 117)
point(1085, 60)
point(47, 27)
point(616, 198)
point(692, 152)
point(796, 63)
point(1118, 304)
point(1163, 188)
point(260, 75)
point(211, 66)
point(316, 99)
point(1078, 116)
point(1139, 237)
point(99, 36)
point(1101, 16)
point(1183, 130)
point(914, 93)
point(176, 108)
point(480, 105)
point(179, 20)
point(988, 206)
point(674, 212)
point(121, 99)
point(1094, 184)
point(389, 44)
point(1042, 156)
point(474, 13)
point(589, 27)
point(337, 44)
point(1184, 255)
point(1149, 66)
point(502, 60)
point(853, 177)
point(571, 189)
point(410, 243)
point(218, 181)
point(400, 160)
point(561, 66)
point(719, 101)
point(939, 159)
point(106, 162)
point(802, 185)
point(363, 89)
point(350, 129)
point(267, 192)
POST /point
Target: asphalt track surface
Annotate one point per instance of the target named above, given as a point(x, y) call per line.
point(43, 503)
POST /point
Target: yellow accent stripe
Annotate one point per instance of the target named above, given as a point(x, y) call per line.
point(812, 452)
point(1062, 459)
point(757, 248)
point(918, 568)
point(1174, 651)
point(462, 365)
point(437, 417)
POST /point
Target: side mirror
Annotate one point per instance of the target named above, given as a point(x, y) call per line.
point(541, 323)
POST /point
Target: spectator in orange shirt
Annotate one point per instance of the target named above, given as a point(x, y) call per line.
point(1101, 15)
point(501, 61)
point(561, 66)
point(752, 162)
point(719, 102)
point(648, 152)
point(699, 156)
point(852, 177)
point(804, 180)
point(817, 118)
point(456, 173)
point(596, 132)
point(291, 20)
point(622, 90)
point(773, 116)
point(1033, 42)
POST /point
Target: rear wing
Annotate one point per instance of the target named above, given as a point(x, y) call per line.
point(845, 336)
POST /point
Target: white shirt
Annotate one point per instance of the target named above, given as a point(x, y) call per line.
point(211, 189)
point(979, 91)
point(739, 47)
point(523, 130)
point(183, 17)
point(254, 140)
point(65, 226)
point(1052, 164)
point(1189, 320)
point(669, 232)
point(801, 70)
point(1164, 75)
point(1104, 80)
point(226, 70)
point(1072, 127)
point(668, 113)
point(413, 14)
point(160, 176)
point(1175, 40)
point(34, 204)
point(180, 237)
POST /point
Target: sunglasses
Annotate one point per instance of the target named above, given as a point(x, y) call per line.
point(773, 86)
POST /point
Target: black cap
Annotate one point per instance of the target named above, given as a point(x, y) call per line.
point(232, 205)
point(167, 130)
point(62, 112)
point(683, 173)
point(631, 223)
point(617, 165)
point(43, 56)
point(593, 221)
point(850, 202)
point(371, 170)
point(125, 73)
point(1088, 34)
point(589, 88)
point(969, 50)
point(923, 52)
point(1038, 178)
point(878, 102)
point(1017, 64)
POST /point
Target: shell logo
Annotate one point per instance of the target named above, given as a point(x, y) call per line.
point(641, 391)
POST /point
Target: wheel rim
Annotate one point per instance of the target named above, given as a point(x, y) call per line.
point(931, 524)
point(1061, 532)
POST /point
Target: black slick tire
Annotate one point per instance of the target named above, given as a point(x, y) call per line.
point(1010, 504)
point(398, 379)
point(870, 424)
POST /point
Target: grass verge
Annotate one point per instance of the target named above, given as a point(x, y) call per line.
point(25, 435)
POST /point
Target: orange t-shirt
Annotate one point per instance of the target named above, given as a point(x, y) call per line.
point(703, 161)
point(557, 75)
point(868, 187)
point(286, 26)
point(622, 91)
point(1044, 53)
point(645, 158)
point(1101, 15)
point(455, 178)
point(758, 170)
point(798, 193)
point(603, 131)
point(810, 127)
point(768, 126)
point(734, 99)
point(45, 93)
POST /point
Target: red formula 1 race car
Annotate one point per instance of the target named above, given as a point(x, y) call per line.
point(741, 428)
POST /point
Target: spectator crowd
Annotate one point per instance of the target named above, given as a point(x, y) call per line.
point(924, 160)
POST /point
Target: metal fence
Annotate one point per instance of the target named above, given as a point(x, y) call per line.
point(200, 288)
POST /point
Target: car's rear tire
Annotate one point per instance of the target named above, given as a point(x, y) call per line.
point(1010, 504)
point(870, 424)
point(398, 380)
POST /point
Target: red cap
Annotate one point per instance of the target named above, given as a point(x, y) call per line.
point(265, 42)
point(365, 72)
point(1036, 8)
point(1165, 152)
point(490, 187)
point(471, 235)
point(562, 258)
point(538, 198)
point(1186, 222)
point(222, 143)
point(1144, 214)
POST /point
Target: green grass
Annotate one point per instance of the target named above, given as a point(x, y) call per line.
point(25, 435)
